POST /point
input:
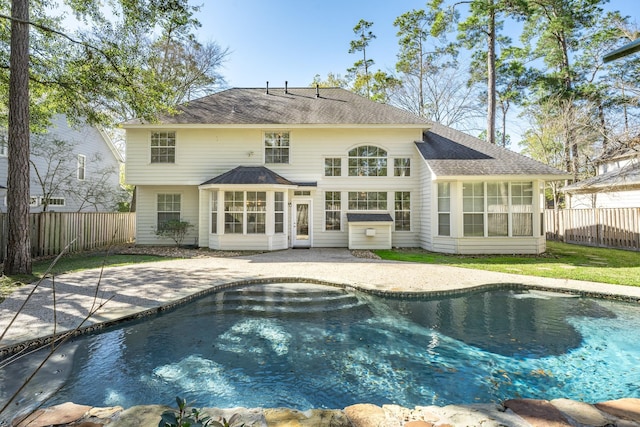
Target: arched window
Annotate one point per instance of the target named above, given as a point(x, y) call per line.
point(367, 160)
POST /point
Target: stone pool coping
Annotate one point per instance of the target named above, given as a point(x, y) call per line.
point(143, 289)
point(138, 290)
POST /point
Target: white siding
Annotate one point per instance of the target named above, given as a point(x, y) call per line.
point(512, 245)
point(202, 154)
point(146, 214)
point(610, 199)
point(85, 140)
point(380, 237)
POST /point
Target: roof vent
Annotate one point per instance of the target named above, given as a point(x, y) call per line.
point(317, 91)
point(286, 84)
point(267, 88)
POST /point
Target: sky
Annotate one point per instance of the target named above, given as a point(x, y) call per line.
point(286, 40)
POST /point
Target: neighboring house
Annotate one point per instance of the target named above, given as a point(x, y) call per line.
point(72, 169)
point(273, 169)
point(617, 184)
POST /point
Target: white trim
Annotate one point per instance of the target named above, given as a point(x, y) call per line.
point(294, 203)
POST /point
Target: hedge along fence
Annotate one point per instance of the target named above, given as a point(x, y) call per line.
point(51, 232)
point(606, 227)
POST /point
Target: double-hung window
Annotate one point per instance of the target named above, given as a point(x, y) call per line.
point(402, 210)
point(214, 212)
point(402, 167)
point(168, 208)
point(256, 212)
point(332, 208)
point(163, 147)
point(444, 209)
point(234, 212)
point(82, 166)
point(498, 208)
point(522, 208)
point(276, 147)
point(278, 207)
point(332, 166)
point(473, 209)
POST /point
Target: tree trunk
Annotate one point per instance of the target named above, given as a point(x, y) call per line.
point(18, 243)
point(491, 76)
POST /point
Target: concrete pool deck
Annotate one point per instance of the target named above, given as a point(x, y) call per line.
point(141, 288)
point(133, 289)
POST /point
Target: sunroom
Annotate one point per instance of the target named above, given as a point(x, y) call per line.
point(475, 217)
point(246, 209)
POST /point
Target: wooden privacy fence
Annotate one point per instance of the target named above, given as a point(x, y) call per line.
point(611, 227)
point(51, 232)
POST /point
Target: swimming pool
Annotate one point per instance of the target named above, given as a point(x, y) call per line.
point(309, 346)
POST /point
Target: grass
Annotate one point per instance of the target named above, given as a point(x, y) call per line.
point(561, 261)
point(68, 264)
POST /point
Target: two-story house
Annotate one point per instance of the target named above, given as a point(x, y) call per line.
point(73, 168)
point(276, 168)
point(616, 185)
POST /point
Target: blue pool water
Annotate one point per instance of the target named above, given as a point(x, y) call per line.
point(307, 346)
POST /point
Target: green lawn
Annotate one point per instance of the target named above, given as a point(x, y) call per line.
point(69, 263)
point(561, 261)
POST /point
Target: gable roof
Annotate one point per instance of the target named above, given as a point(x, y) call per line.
point(296, 106)
point(625, 177)
point(249, 175)
point(449, 152)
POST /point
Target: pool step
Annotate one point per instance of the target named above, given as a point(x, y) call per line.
point(281, 300)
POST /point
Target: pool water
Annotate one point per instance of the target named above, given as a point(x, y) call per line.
point(308, 346)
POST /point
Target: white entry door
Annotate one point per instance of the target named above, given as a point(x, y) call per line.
point(301, 224)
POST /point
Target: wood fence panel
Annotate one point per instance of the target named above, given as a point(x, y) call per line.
point(51, 232)
point(611, 227)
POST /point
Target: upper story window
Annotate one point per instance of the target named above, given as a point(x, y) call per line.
point(276, 147)
point(333, 166)
point(402, 167)
point(82, 167)
point(367, 160)
point(163, 147)
point(4, 146)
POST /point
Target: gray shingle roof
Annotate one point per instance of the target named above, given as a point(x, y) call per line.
point(249, 175)
point(449, 152)
point(627, 176)
point(362, 217)
point(298, 106)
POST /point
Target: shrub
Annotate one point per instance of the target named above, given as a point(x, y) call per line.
point(174, 229)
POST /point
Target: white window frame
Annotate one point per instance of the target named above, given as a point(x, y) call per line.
point(82, 167)
point(172, 203)
point(444, 208)
point(333, 166)
point(155, 143)
point(365, 200)
point(277, 143)
point(53, 201)
point(401, 206)
point(4, 144)
point(367, 160)
point(330, 209)
point(402, 166)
